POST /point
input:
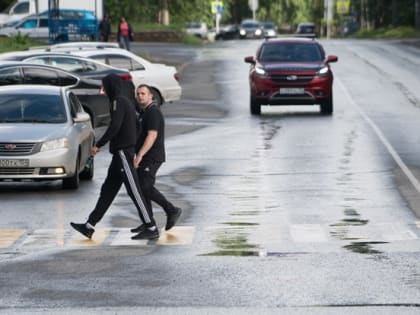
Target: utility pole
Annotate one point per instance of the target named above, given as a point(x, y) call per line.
point(164, 13)
point(417, 14)
point(329, 14)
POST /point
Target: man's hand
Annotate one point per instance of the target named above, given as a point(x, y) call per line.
point(95, 150)
point(137, 160)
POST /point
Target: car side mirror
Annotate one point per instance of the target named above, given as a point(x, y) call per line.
point(81, 117)
point(250, 59)
point(332, 58)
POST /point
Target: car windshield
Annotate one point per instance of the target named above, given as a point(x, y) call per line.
point(250, 25)
point(290, 52)
point(269, 26)
point(31, 108)
point(306, 29)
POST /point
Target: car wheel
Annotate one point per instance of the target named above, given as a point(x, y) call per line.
point(157, 97)
point(327, 105)
point(89, 170)
point(255, 106)
point(73, 181)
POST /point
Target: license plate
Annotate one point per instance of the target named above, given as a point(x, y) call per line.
point(292, 90)
point(14, 163)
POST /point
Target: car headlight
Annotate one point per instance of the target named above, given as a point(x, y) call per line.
point(54, 144)
point(260, 71)
point(242, 32)
point(323, 72)
point(258, 32)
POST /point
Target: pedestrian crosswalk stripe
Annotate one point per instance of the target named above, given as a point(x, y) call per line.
point(178, 235)
point(123, 238)
point(99, 237)
point(8, 237)
point(264, 236)
point(308, 233)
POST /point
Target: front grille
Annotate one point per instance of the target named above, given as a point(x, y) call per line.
point(13, 149)
point(17, 171)
point(299, 79)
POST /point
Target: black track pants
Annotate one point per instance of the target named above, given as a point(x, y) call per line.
point(147, 176)
point(121, 170)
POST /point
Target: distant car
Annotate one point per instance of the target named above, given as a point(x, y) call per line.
point(44, 135)
point(270, 29)
point(87, 90)
point(84, 67)
point(251, 29)
point(307, 28)
point(228, 31)
point(37, 26)
point(291, 71)
point(161, 78)
point(198, 29)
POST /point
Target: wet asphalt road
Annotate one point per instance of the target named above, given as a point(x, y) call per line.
point(291, 211)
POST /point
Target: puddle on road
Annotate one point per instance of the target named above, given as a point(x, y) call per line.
point(363, 247)
point(347, 229)
point(232, 240)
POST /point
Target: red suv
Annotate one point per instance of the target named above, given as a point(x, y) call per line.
point(291, 71)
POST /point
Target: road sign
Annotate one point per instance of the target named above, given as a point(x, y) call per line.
point(217, 7)
point(343, 6)
point(253, 5)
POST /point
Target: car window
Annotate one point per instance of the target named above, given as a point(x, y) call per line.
point(66, 79)
point(101, 58)
point(43, 23)
point(290, 52)
point(10, 76)
point(31, 23)
point(67, 63)
point(75, 106)
point(32, 108)
point(124, 63)
point(40, 76)
point(21, 8)
point(92, 66)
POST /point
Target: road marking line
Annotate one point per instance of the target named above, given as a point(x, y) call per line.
point(308, 233)
point(9, 237)
point(413, 180)
point(178, 235)
point(123, 238)
point(98, 238)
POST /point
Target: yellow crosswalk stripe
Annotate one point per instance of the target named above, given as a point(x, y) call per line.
point(8, 237)
point(178, 235)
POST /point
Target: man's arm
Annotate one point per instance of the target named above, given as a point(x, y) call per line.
point(114, 126)
point(147, 145)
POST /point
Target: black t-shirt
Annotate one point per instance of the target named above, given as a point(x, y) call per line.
point(152, 119)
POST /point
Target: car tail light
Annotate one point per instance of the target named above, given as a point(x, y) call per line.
point(176, 76)
point(125, 76)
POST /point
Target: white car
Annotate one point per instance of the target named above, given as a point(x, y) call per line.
point(34, 26)
point(161, 78)
point(198, 29)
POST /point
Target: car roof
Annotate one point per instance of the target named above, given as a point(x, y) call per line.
point(32, 88)
point(279, 40)
point(30, 64)
point(35, 53)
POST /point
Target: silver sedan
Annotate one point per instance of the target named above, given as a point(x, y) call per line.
point(44, 135)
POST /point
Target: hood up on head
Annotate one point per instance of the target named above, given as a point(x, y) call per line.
point(112, 85)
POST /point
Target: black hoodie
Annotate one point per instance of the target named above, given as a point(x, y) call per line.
point(121, 132)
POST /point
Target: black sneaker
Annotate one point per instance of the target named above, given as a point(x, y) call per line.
point(138, 229)
point(147, 234)
point(173, 216)
point(82, 228)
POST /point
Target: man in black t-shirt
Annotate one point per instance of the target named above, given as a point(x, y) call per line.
point(151, 154)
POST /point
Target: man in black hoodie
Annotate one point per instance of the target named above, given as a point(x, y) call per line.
point(121, 135)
